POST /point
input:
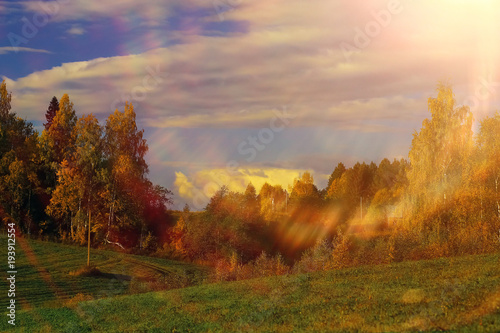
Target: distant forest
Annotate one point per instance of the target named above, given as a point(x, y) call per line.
point(443, 200)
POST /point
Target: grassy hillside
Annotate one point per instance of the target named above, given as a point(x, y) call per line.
point(44, 279)
point(460, 294)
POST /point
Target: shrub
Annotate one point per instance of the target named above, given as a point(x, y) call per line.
point(222, 271)
point(263, 265)
point(150, 242)
point(342, 254)
point(88, 271)
point(316, 258)
point(280, 267)
point(402, 243)
point(169, 252)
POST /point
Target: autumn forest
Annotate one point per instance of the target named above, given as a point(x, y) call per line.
point(442, 201)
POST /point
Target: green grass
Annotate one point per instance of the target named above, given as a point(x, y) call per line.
point(122, 274)
point(455, 294)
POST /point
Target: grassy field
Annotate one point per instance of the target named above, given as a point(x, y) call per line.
point(457, 294)
point(44, 279)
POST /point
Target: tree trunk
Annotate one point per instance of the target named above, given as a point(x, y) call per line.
point(88, 245)
point(111, 211)
point(112, 218)
point(29, 213)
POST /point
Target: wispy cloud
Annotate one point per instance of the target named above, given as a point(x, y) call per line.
point(290, 56)
point(149, 12)
point(8, 49)
point(8, 7)
point(76, 30)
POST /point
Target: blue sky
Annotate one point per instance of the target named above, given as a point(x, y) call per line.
point(206, 77)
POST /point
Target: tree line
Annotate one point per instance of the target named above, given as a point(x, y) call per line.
point(443, 200)
point(78, 172)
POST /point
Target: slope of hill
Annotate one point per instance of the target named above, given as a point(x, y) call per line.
point(44, 274)
point(460, 294)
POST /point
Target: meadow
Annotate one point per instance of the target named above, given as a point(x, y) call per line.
point(46, 274)
point(459, 294)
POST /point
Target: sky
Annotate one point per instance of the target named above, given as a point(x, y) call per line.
point(233, 91)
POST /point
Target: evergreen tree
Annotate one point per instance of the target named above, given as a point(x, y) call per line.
point(51, 112)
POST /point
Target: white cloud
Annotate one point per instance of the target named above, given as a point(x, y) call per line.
point(290, 56)
point(76, 30)
point(7, 49)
